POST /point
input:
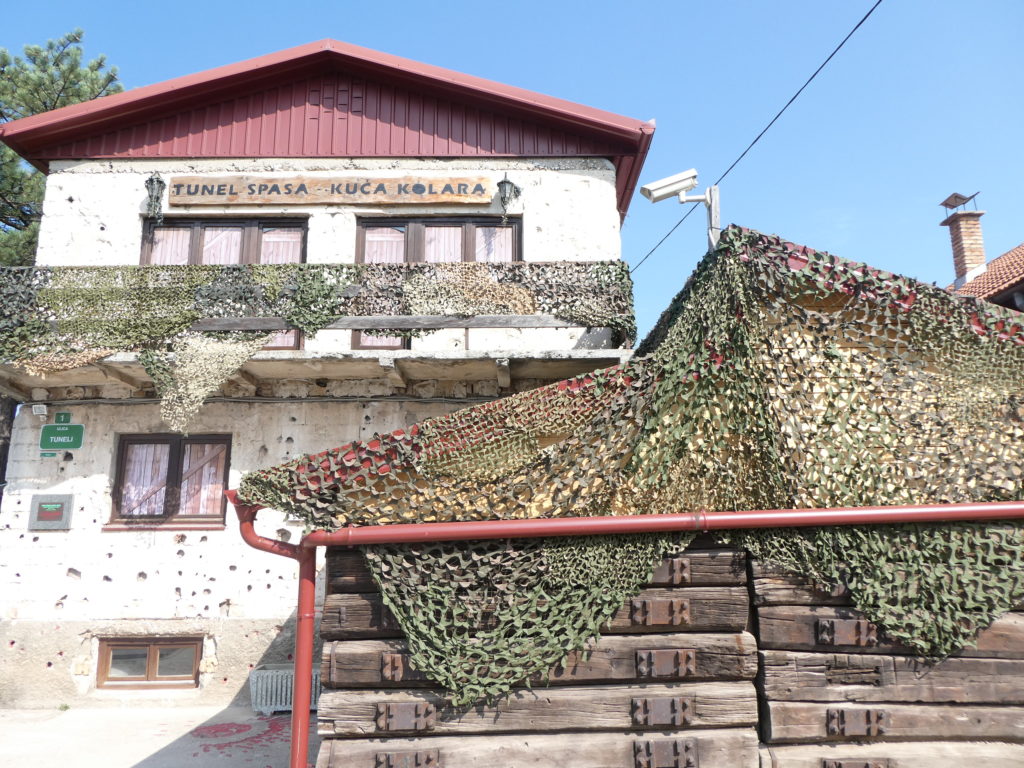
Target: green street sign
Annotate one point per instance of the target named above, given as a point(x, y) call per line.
point(48, 455)
point(68, 437)
point(62, 417)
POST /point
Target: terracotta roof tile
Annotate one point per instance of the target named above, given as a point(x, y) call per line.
point(1002, 273)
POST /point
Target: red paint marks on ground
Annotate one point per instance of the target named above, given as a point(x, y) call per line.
point(274, 729)
point(220, 729)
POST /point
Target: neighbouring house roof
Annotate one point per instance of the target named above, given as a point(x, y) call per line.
point(332, 99)
point(1000, 275)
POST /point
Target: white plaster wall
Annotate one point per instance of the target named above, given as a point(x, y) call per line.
point(93, 211)
point(94, 215)
point(61, 590)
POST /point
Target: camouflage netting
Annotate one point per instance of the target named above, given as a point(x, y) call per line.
point(59, 318)
point(780, 377)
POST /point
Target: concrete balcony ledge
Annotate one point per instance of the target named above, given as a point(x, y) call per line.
point(392, 371)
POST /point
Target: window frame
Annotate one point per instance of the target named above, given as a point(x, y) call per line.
point(251, 243)
point(415, 240)
point(152, 679)
point(414, 251)
point(172, 483)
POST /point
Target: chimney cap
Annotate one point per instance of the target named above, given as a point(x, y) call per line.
point(956, 200)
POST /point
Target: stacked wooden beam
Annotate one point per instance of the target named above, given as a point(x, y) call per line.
point(669, 685)
point(837, 693)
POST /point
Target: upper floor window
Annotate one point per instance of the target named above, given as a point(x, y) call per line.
point(162, 478)
point(432, 241)
point(226, 241)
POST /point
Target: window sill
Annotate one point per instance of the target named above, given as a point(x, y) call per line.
point(165, 525)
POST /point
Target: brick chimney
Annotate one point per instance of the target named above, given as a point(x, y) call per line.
point(968, 247)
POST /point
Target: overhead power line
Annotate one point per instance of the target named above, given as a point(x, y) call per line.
point(764, 130)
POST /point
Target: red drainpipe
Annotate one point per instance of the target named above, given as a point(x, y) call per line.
point(704, 521)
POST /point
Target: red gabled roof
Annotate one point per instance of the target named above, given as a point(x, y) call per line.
point(277, 106)
point(1001, 274)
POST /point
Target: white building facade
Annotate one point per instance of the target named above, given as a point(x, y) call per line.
point(123, 576)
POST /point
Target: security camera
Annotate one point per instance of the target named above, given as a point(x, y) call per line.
point(673, 185)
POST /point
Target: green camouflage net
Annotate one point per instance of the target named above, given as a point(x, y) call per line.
point(60, 318)
point(780, 377)
point(485, 617)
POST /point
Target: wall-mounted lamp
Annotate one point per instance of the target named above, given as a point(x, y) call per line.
point(507, 192)
point(155, 187)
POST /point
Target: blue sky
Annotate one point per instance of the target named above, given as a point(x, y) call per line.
point(926, 99)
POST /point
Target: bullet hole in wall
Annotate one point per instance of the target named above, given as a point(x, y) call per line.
point(110, 554)
point(180, 538)
point(177, 591)
point(107, 578)
point(202, 539)
point(69, 456)
point(180, 553)
point(206, 591)
point(232, 567)
point(49, 664)
point(284, 534)
point(141, 576)
point(74, 573)
point(292, 418)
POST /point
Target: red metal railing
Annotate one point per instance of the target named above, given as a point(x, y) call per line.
point(305, 552)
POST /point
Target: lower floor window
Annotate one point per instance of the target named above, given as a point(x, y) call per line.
point(171, 477)
point(171, 662)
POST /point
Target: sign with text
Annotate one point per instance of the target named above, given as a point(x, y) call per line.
point(68, 437)
point(306, 190)
point(50, 512)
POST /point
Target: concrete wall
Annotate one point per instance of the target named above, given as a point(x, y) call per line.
point(60, 591)
point(93, 214)
point(94, 209)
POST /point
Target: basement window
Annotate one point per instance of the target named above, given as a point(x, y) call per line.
point(169, 662)
point(171, 479)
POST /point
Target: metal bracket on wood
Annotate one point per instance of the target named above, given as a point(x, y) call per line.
point(662, 712)
point(856, 722)
point(856, 762)
point(666, 662)
point(404, 716)
point(396, 667)
point(665, 753)
point(428, 758)
point(672, 612)
point(383, 618)
point(674, 571)
point(858, 632)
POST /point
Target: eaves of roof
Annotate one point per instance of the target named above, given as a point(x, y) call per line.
point(31, 135)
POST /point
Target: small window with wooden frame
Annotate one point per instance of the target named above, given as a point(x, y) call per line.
point(432, 240)
point(149, 662)
point(171, 480)
point(228, 241)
